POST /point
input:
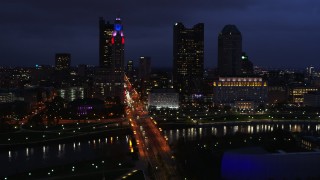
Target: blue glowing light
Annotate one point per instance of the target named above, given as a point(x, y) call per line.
point(117, 27)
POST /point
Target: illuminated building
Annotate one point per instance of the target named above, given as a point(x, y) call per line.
point(71, 93)
point(62, 61)
point(296, 93)
point(163, 98)
point(105, 45)
point(6, 97)
point(235, 91)
point(245, 105)
point(144, 75)
point(87, 107)
point(111, 45)
point(188, 57)
point(109, 78)
point(14, 77)
point(229, 51)
point(160, 80)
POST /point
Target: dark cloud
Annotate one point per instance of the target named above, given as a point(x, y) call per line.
point(275, 33)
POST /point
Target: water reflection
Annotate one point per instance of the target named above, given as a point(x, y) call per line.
point(14, 161)
point(45, 152)
point(9, 156)
point(61, 149)
point(221, 130)
point(27, 152)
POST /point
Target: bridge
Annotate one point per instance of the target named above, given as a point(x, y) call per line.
point(156, 158)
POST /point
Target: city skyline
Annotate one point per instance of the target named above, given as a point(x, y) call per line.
point(275, 34)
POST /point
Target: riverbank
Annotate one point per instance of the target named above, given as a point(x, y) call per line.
point(29, 139)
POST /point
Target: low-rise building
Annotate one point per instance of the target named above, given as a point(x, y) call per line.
point(229, 90)
point(163, 98)
point(71, 93)
point(6, 97)
point(296, 93)
point(312, 99)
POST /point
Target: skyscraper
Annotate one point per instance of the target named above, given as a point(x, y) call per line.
point(129, 70)
point(105, 46)
point(144, 76)
point(62, 61)
point(110, 76)
point(111, 45)
point(144, 68)
point(188, 57)
point(229, 51)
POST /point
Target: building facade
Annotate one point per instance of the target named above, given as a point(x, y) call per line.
point(144, 67)
point(229, 51)
point(109, 77)
point(71, 93)
point(130, 69)
point(312, 99)
point(188, 58)
point(62, 61)
point(105, 45)
point(6, 97)
point(297, 93)
point(163, 98)
point(240, 92)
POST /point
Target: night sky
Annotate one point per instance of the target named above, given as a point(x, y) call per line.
point(276, 33)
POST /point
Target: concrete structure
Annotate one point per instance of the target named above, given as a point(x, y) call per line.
point(256, 163)
point(163, 98)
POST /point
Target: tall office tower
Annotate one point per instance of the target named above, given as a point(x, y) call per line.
point(188, 47)
point(144, 76)
point(129, 70)
point(105, 46)
point(229, 51)
point(111, 45)
point(144, 67)
point(130, 66)
point(110, 75)
point(62, 61)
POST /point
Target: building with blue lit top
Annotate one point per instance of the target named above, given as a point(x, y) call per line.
point(108, 81)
